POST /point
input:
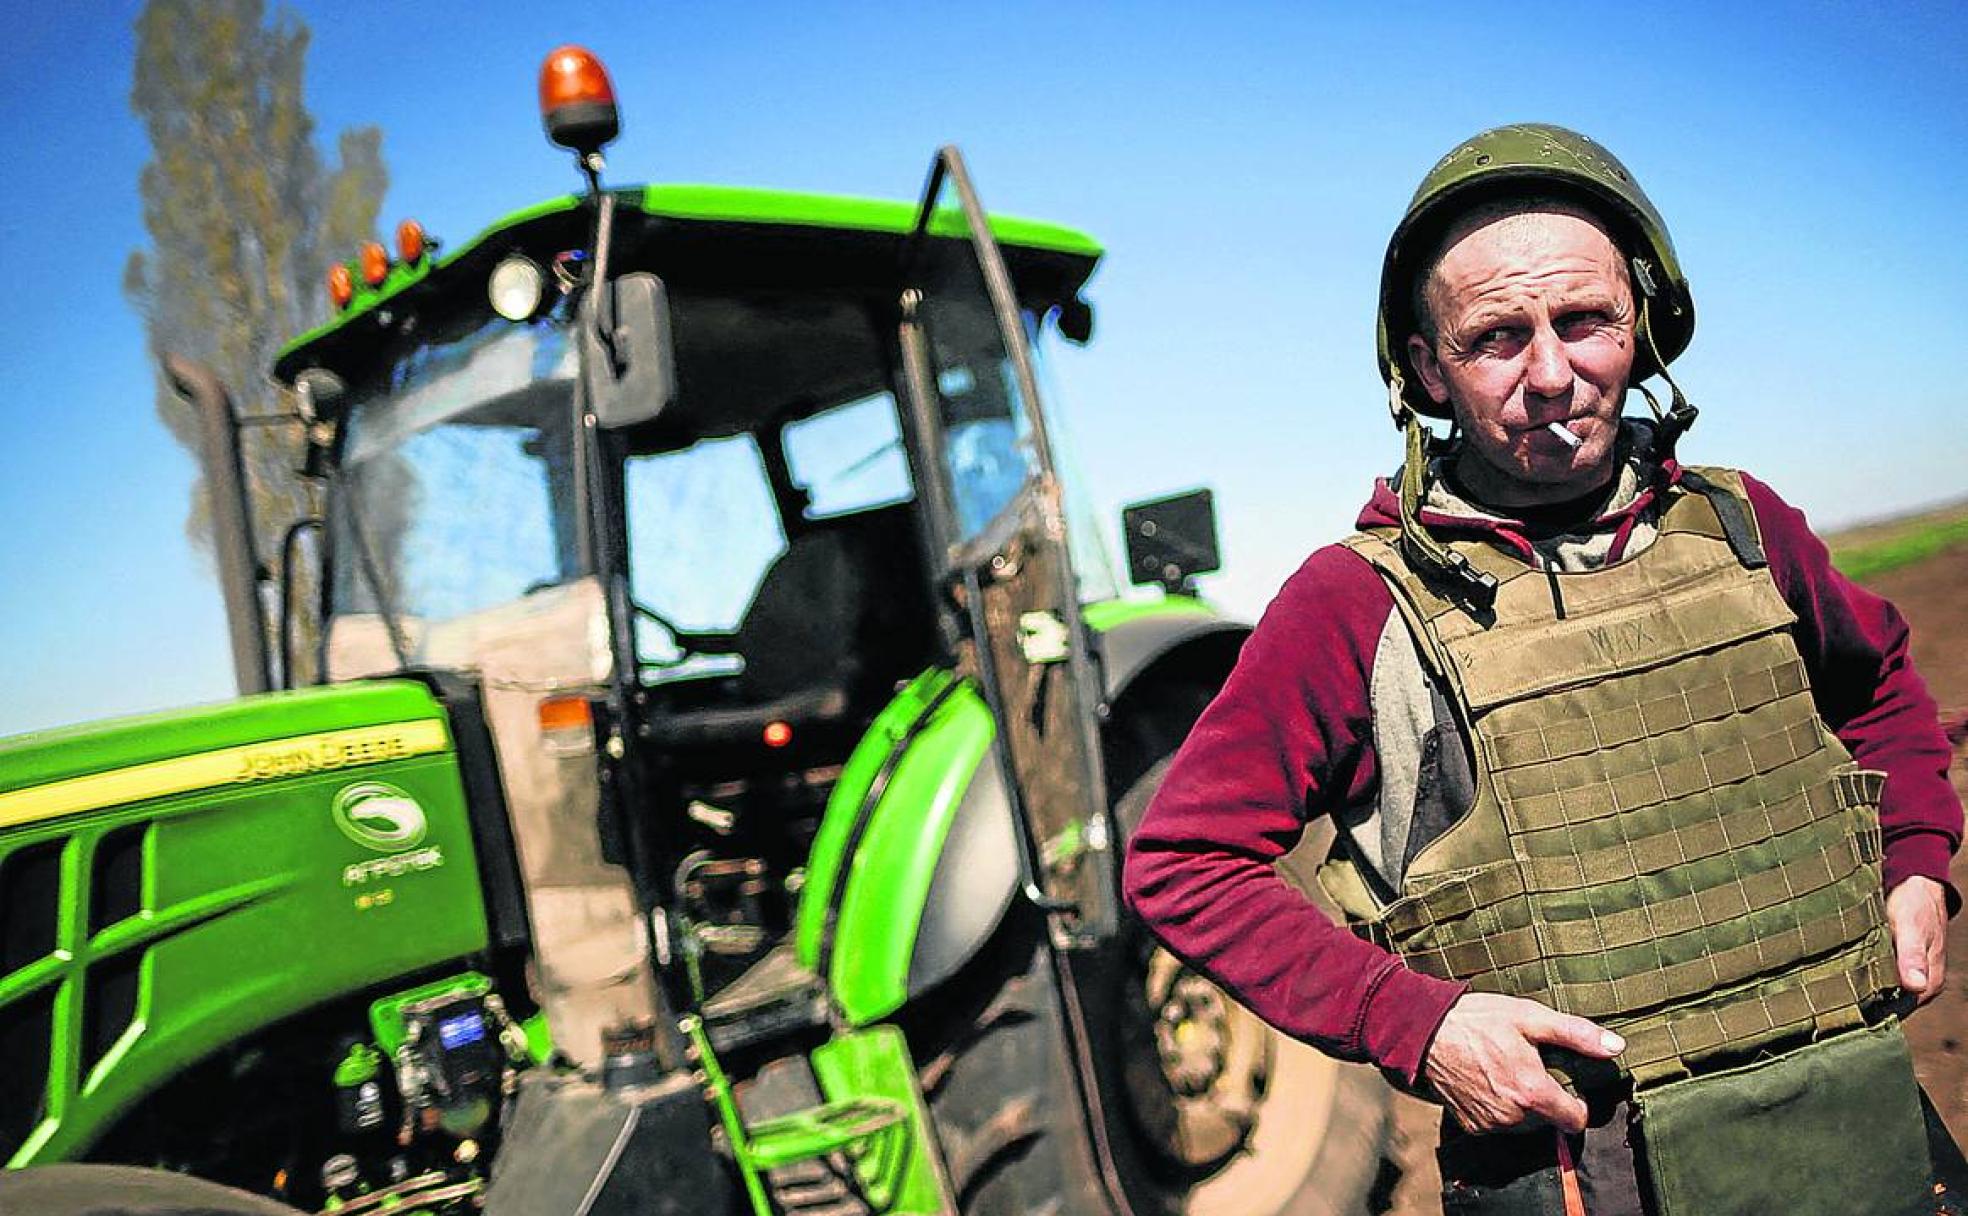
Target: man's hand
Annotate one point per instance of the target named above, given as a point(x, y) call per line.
point(1484, 1062)
point(1916, 916)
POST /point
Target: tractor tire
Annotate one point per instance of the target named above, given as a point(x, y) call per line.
point(124, 1190)
point(1003, 1102)
point(1006, 1106)
point(1237, 1116)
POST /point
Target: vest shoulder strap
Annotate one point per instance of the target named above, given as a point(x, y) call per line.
point(1436, 598)
point(1413, 599)
point(1722, 490)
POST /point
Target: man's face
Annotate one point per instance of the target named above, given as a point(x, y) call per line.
point(1534, 325)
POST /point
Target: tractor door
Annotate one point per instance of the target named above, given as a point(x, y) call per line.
point(978, 442)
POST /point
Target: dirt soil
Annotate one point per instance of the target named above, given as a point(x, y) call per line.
point(1933, 596)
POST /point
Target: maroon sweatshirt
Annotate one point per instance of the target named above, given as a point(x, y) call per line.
point(1290, 736)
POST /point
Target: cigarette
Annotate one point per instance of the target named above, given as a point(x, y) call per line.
point(1559, 429)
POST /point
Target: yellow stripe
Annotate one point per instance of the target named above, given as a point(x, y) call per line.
point(299, 756)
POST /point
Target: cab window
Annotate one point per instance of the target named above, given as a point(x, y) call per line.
point(849, 458)
point(702, 530)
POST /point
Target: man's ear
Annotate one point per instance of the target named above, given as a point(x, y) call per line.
point(1421, 353)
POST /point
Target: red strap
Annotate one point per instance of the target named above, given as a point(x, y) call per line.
point(1568, 1178)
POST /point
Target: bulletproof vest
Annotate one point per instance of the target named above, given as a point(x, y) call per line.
point(1665, 837)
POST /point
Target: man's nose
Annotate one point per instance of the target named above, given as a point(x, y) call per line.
point(1547, 367)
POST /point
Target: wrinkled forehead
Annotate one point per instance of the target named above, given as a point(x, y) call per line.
point(1518, 225)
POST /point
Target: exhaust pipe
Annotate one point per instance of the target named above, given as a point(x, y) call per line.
point(232, 520)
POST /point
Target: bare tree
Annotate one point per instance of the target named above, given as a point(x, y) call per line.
point(244, 218)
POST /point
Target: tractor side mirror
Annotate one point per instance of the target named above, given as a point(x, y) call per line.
point(630, 358)
point(1172, 540)
point(1076, 321)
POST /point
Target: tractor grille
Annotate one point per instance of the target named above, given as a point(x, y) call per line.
point(66, 994)
point(26, 1027)
point(30, 894)
point(116, 877)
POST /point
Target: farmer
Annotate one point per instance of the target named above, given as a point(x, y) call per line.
point(1609, 745)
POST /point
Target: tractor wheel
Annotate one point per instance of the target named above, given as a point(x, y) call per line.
point(1210, 1111)
point(124, 1190)
point(1001, 1090)
point(1240, 1117)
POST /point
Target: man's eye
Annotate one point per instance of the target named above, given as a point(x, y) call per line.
point(1500, 340)
point(1576, 325)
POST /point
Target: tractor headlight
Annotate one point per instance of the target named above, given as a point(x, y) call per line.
point(515, 288)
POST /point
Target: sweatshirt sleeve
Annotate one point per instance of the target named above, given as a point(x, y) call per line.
point(1288, 737)
point(1854, 644)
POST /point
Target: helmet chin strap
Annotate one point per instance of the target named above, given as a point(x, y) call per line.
point(1421, 549)
point(1673, 422)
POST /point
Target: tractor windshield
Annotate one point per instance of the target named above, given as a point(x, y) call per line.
point(455, 492)
point(456, 485)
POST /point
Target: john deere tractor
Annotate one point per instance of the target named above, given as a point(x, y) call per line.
point(712, 801)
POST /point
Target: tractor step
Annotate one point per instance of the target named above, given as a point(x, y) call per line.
point(817, 1131)
point(775, 996)
point(871, 1130)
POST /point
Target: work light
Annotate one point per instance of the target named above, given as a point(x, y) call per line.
point(515, 288)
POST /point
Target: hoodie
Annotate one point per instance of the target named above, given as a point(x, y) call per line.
point(1328, 712)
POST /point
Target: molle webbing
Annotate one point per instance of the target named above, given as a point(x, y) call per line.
point(1665, 837)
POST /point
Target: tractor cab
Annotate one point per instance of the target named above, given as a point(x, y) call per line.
point(698, 611)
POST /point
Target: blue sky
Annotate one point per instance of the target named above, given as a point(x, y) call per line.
point(1243, 164)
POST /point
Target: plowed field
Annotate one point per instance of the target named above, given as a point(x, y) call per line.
point(1933, 595)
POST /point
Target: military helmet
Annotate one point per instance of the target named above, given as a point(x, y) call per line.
point(1534, 158)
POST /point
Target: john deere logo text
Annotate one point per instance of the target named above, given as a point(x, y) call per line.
point(324, 752)
point(379, 817)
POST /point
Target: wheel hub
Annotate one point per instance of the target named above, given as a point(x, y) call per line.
point(1198, 1067)
point(1192, 1035)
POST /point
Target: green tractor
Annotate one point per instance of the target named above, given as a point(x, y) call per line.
point(713, 798)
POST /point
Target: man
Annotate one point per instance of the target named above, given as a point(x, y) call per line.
point(1604, 740)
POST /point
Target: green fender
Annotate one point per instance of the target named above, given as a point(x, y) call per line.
point(916, 860)
point(173, 882)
